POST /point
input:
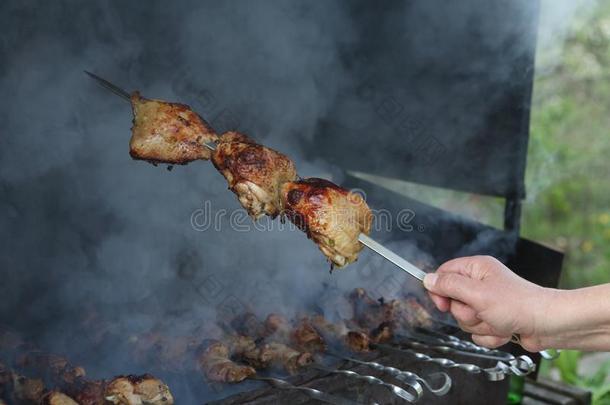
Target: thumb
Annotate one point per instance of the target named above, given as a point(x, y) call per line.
point(453, 285)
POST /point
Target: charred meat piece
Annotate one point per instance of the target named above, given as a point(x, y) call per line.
point(27, 390)
point(6, 381)
point(278, 355)
point(165, 132)
point(357, 341)
point(339, 334)
point(409, 313)
point(57, 398)
point(277, 327)
point(248, 324)
point(306, 337)
point(302, 336)
point(52, 368)
point(138, 390)
point(87, 392)
point(254, 173)
point(331, 216)
point(239, 344)
point(329, 330)
point(382, 333)
point(216, 365)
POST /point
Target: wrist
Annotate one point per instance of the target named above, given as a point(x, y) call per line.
point(546, 302)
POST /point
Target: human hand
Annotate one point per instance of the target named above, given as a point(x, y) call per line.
point(489, 301)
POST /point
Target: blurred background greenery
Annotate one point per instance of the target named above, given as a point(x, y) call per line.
point(568, 204)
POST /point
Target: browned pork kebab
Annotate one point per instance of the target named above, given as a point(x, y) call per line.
point(44, 378)
point(264, 180)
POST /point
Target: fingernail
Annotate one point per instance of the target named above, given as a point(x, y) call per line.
point(430, 280)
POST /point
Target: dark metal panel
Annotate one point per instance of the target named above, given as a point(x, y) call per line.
point(442, 94)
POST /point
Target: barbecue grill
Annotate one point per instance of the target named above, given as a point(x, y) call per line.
point(456, 118)
point(428, 92)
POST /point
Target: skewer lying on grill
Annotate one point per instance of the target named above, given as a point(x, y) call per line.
point(337, 220)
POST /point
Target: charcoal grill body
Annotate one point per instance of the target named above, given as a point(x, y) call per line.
point(442, 98)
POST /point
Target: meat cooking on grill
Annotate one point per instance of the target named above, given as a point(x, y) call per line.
point(279, 356)
point(57, 398)
point(254, 173)
point(166, 132)
point(332, 217)
point(216, 364)
point(394, 314)
point(135, 390)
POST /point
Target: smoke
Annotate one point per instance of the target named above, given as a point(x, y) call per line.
point(84, 226)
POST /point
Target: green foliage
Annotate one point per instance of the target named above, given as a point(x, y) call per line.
point(567, 364)
point(568, 204)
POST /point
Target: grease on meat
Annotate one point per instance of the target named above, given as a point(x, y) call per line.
point(332, 216)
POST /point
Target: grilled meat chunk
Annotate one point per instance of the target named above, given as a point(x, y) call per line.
point(306, 337)
point(277, 327)
point(216, 365)
point(6, 381)
point(88, 392)
point(57, 398)
point(166, 132)
point(339, 334)
point(357, 341)
point(382, 334)
point(138, 390)
point(254, 173)
point(239, 344)
point(27, 390)
point(247, 324)
point(302, 336)
point(50, 367)
point(332, 216)
point(382, 317)
point(278, 355)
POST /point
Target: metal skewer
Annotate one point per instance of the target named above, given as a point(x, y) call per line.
point(364, 239)
point(311, 392)
point(392, 257)
point(369, 379)
point(107, 85)
point(406, 377)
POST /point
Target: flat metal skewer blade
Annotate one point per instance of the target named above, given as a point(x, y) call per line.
point(107, 85)
point(392, 257)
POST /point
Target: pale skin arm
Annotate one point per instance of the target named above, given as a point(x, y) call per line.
point(493, 303)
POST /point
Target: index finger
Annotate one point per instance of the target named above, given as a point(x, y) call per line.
point(466, 266)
